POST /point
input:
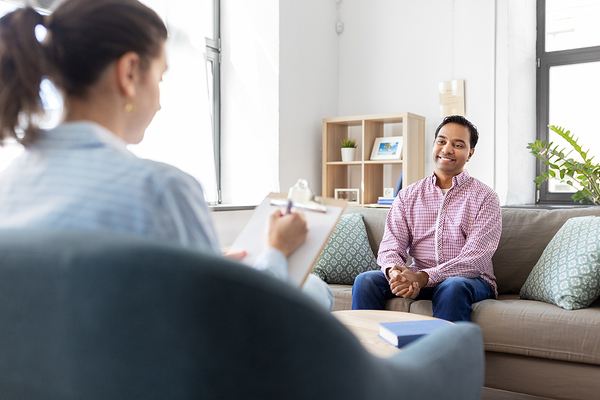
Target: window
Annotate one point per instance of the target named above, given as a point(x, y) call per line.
point(568, 79)
point(185, 132)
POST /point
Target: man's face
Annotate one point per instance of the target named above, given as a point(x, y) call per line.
point(452, 149)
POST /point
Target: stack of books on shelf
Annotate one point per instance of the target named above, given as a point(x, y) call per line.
point(385, 201)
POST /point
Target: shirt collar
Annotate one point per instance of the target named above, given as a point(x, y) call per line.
point(457, 180)
point(80, 134)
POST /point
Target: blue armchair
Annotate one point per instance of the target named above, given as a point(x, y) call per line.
point(104, 316)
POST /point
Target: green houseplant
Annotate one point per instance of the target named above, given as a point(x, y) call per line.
point(348, 150)
point(581, 173)
point(348, 143)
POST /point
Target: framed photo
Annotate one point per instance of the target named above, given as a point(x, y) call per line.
point(350, 195)
point(387, 148)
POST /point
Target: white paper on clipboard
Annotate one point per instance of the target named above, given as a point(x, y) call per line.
point(253, 238)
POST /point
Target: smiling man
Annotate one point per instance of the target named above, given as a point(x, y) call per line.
point(450, 224)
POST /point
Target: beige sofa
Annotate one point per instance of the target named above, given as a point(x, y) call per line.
point(533, 349)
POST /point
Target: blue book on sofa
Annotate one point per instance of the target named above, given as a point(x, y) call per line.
point(403, 332)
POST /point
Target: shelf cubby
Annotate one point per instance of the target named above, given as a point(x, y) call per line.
point(365, 174)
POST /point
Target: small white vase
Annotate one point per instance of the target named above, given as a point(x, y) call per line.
point(348, 154)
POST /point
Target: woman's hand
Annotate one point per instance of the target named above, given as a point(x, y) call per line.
point(234, 255)
point(287, 232)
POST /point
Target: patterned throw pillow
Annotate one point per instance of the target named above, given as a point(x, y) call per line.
point(568, 272)
point(347, 252)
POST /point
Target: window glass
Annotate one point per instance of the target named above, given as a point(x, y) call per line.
point(181, 132)
point(572, 24)
point(208, 15)
point(5, 7)
point(573, 105)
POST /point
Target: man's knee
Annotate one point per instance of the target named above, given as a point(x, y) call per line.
point(368, 291)
point(368, 278)
point(371, 275)
point(456, 286)
point(457, 282)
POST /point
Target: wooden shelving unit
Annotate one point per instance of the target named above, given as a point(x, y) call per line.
point(367, 175)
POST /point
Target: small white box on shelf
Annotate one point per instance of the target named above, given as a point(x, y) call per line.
point(350, 195)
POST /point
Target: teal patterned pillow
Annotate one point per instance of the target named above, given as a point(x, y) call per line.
point(568, 272)
point(347, 252)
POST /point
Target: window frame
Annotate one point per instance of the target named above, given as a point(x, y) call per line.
point(213, 55)
point(546, 60)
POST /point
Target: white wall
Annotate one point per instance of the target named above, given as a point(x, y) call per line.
point(308, 86)
point(393, 54)
point(515, 100)
point(390, 58)
point(279, 80)
point(229, 224)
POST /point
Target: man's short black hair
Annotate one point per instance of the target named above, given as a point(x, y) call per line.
point(459, 119)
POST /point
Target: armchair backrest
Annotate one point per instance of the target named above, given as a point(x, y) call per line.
point(97, 316)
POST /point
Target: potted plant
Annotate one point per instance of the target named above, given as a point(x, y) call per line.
point(348, 150)
point(581, 173)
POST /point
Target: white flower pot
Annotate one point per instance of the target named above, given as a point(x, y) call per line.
point(348, 154)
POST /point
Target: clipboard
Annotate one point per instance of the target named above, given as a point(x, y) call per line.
point(320, 223)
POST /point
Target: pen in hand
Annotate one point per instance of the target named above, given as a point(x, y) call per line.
point(288, 208)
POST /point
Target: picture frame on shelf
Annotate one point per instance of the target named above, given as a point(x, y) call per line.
point(387, 148)
point(350, 195)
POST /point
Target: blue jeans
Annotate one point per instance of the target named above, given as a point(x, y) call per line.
point(451, 300)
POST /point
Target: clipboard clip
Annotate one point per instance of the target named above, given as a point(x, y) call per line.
point(301, 197)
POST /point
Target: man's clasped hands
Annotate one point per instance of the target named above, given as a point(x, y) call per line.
point(406, 283)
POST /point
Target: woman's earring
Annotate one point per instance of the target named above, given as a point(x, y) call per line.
point(129, 107)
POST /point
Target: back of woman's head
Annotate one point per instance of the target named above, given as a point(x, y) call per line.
point(83, 38)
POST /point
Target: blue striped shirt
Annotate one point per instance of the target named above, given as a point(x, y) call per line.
point(81, 176)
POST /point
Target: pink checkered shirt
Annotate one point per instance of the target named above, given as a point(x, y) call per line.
point(452, 235)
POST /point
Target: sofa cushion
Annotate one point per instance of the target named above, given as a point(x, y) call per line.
point(374, 219)
point(567, 274)
point(422, 307)
point(347, 252)
point(342, 296)
point(538, 329)
point(525, 235)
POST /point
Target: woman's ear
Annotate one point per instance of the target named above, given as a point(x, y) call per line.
point(127, 70)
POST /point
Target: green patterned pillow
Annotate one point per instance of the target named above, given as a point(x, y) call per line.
point(568, 272)
point(347, 252)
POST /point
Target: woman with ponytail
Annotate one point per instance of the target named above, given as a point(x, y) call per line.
point(107, 58)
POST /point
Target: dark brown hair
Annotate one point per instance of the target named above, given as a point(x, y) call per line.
point(83, 38)
point(459, 119)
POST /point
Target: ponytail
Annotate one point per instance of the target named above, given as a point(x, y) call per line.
point(83, 38)
point(22, 65)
